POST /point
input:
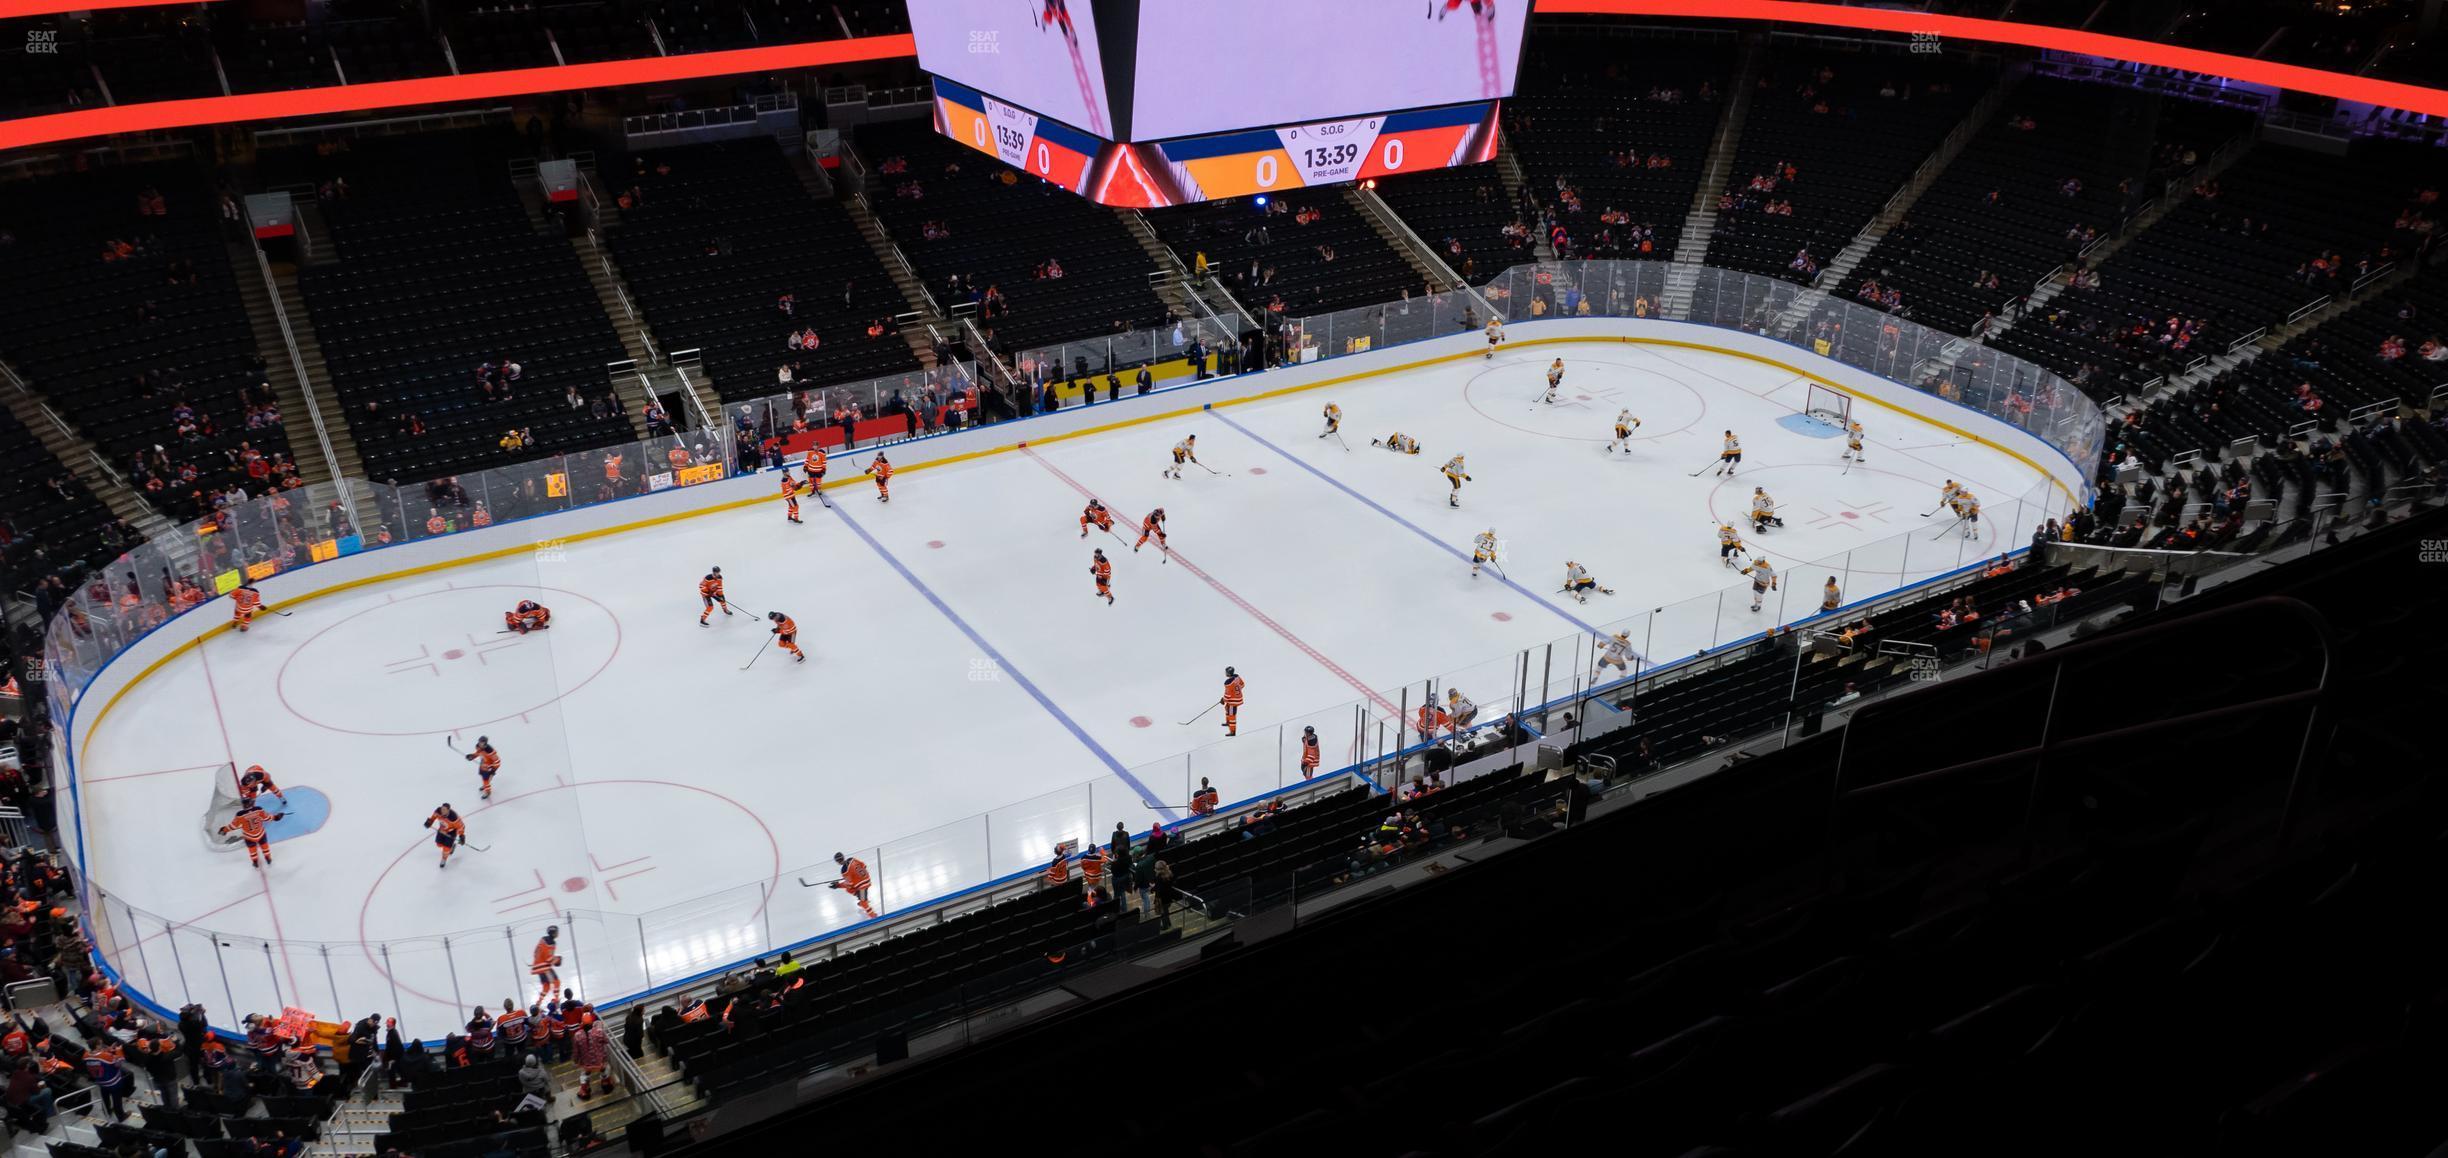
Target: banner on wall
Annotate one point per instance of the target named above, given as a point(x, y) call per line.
point(556, 485)
point(705, 473)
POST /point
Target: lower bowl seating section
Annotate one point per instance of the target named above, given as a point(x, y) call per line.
point(122, 309)
point(1626, 125)
point(2002, 209)
point(1002, 236)
point(1851, 127)
point(1462, 214)
point(1311, 250)
point(439, 273)
point(2278, 230)
point(45, 530)
point(467, 1111)
point(719, 234)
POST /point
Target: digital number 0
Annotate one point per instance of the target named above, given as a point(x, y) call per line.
point(1393, 153)
point(1266, 171)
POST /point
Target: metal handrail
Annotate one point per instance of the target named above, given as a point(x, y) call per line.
point(306, 390)
point(61, 424)
point(688, 388)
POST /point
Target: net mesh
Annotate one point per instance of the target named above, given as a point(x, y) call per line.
point(1828, 406)
point(224, 806)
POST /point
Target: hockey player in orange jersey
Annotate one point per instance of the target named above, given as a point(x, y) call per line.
point(245, 601)
point(710, 589)
point(790, 496)
point(545, 962)
point(448, 831)
point(1095, 515)
point(528, 616)
point(1102, 569)
point(786, 633)
point(1153, 526)
point(1232, 702)
point(488, 763)
point(883, 472)
point(249, 825)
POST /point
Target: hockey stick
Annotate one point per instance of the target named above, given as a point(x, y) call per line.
point(808, 884)
point(1933, 510)
point(1203, 714)
point(1949, 527)
point(1210, 469)
point(1338, 437)
point(453, 742)
point(760, 652)
point(473, 845)
point(1499, 569)
point(1704, 466)
point(282, 614)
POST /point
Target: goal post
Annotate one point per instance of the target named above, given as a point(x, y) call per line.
point(1833, 407)
point(221, 809)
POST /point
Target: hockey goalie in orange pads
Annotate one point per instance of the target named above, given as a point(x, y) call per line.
point(528, 616)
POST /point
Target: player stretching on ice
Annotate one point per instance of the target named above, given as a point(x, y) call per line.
point(1763, 580)
point(790, 496)
point(1763, 510)
point(488, 763)
point(1095, 515)
point(1483, 550)
point(1495, 335)
point(528, 616)
point(1625, 424)
point(245, 601)
point(882, 470)
point(449, 831)
point(1555, 379)
point(1397, 442)
point(1102, 570)
point(1334, 419)
point(1578, 584)
point(786, 633)
point(710, 589)
point(1853, 443)
point(1184, 451)
point(1455, 475)
point(1729, 544)
point(249, 825)
point(1152, 525)
point(1730, 457)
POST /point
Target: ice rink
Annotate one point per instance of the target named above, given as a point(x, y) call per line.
point(968, 702)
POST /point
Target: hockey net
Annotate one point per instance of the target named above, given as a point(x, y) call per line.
point(222, 809)
point(1832, 407)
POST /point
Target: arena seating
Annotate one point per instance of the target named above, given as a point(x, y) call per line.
point(384, 49)
point(2285, 228)
point(742, 198)
point(440, 271)
point(48, 82)
point(1001, 234)
point(487, 41)
point(173, 64)
point(1586, 99)
point(1294, 278)
point(80, 329)
point(1463, 209)
point(1854, 126)
point(466, 1110)
point(1955, 233)
point(274, 58)
point(48, 531)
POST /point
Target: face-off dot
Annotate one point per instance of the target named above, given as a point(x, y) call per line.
point(574, 885)
point(454, 653)
point(935, 543)
point(1257, 470)
point(1141, 722)
point(1501, 616)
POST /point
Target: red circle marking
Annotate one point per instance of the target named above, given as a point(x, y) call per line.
point(454, 653)
point(1501, 616)
point(1257, 470)
point(280, 679)
point(1141, 721)
point(1849, 514)
point(374, 959)
point(935, 543)
point(574, 885)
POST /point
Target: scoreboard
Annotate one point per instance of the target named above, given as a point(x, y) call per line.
point(1149, 174)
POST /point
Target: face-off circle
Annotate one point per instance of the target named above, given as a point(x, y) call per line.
point(439, 662)
point(1594, 389)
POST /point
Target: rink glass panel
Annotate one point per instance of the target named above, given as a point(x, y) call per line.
point(614, 955)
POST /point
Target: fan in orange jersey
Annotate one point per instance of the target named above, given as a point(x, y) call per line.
point(1102, 569)
point(488, 762)
point(244, 602)
point(1095, 515)
point(814, 465)
point(449, 831)
point(1152, 525)
point(1309, 752)
point(1232, 702)
point(710, 589)
point(882, 470)
point(256, 782)
point(854, 880)
point(480, 517)
point(543, 963)
point(790, 496)
point(612, 467)
point(249, 825)
point(786, 630)
point(528, 616)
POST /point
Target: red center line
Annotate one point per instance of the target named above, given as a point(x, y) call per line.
point(1228, 593)
point(204, 656)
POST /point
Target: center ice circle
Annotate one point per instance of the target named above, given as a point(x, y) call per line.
point(1513, 395)
point(438, 661)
